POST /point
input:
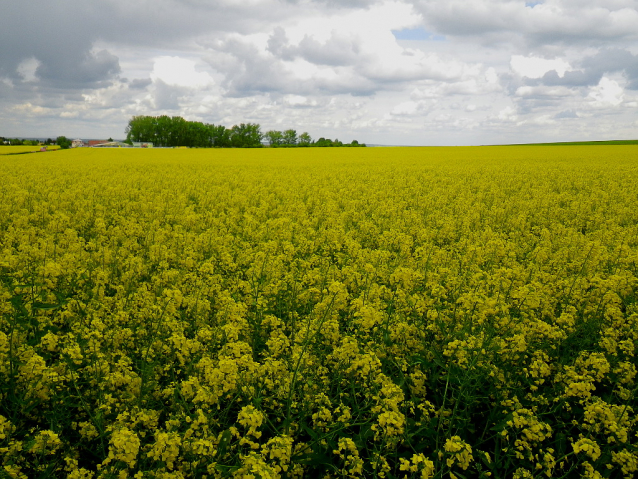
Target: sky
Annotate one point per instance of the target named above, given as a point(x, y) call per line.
point(394, 72)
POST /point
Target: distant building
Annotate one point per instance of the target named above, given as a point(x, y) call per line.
point(111, 144)
point(143, 144)
point(77, 143)
point(97, 142)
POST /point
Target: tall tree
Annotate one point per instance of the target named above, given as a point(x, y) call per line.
point(290, 137)
point(218, 135)
point(63, 142)
point(305, 139)
point(246, 135)
point(274, 137)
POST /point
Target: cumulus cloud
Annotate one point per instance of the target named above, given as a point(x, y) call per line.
point(547, 22)
point(536, 67)
point(338, 50)
point(139, 83)
point(178, 71)
point(28, 68)
point(607, 93)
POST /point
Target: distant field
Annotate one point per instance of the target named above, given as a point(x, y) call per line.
point(8, 150)
point(465, 312)
point(585, 143)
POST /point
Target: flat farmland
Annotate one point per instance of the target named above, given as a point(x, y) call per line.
point(13, 149)
point(319, 312)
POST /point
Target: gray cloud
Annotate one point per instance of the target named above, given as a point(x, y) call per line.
point(167, 97)
point(90, 70)
point(565, 114)
point(249, 71)
point(592, 68)
point(571, 78)
point(546, 23)
point(338, 50)
point(140, 83)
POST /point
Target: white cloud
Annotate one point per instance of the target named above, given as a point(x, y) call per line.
point(409, 108)
point(507, 114)
point(544, 91)
point(27, 69)
point(176, 71)
point(536, 67)
point(491, 76)
point(298, 101)
point(607, 93)
point(29, 109)
point(546, 23)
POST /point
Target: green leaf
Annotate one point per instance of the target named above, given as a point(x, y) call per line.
point(46, 306)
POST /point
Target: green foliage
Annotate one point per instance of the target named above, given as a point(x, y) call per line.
point(12, 141)
point(246, 135)
point(327, 142)
point(176, 131)
point(63, 142)
point(290, 137)
point(275, 138)
point(165, 131)
point(305, 139)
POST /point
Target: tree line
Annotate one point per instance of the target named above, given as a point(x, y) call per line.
point(61, 141)
point(20, 141)
point(176, 131)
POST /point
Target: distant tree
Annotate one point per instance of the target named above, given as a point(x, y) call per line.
point(142, 128)
point(218, 135)
point(49, 141)
point(275, 138)
point(290, 137)
point(304, 139)
point(246, 135)
point(176, 131)
point(63, 142)
point(323, 142)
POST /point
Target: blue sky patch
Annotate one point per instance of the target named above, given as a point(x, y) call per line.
point(532, 4)
point(418, 33)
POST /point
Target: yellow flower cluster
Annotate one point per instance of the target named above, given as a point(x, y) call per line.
point(391, 312)
point(124, 446)
point(459, 452)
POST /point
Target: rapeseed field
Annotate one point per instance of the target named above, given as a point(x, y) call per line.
point(336, 313)
point(12, 150)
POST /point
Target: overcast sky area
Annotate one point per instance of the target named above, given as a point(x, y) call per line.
point(422, 72)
